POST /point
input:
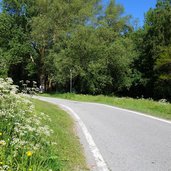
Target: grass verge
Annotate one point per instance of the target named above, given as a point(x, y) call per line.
point(148, 106)
point(68, 147)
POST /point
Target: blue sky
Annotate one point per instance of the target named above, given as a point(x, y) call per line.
point(136, 8)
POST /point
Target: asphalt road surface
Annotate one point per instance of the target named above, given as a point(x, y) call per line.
point(126, 140)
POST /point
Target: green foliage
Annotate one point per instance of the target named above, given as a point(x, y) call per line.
point(24, 143)
point(163, 70)
point(120, 58)
point(114, 19)
point(98, 65)
point(47, 41)
point(154, 58)
point(3, 64)
point(14, 39)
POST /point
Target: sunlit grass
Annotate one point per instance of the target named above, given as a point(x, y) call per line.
point(67, 145)
point(148, 106)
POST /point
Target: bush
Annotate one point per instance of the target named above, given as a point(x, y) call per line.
point(24, 144)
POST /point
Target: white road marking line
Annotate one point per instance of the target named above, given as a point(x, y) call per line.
point(134, 112)
point(126, 110)
point(96, 153)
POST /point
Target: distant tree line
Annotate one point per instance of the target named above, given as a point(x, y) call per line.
point(48, 40)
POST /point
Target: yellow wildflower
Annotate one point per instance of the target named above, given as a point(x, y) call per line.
point(1, 163)
point(29, 153)
point(30, 169)
point(0, 133)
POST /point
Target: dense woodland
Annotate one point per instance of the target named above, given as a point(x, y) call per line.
point(104, 50)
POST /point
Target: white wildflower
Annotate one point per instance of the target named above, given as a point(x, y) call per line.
point(6, 167)
point(54, 143)
point(2, 142)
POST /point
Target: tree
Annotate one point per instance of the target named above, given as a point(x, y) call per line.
point(50, 39)
point(163, 71)
point(155, 45)
point(49, 26)
point(100, 57)
point(15, 39)
point(5, 24)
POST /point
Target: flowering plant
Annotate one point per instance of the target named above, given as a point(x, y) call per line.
point(24, 141)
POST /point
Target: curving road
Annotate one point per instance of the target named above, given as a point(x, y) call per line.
point(128, 141)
